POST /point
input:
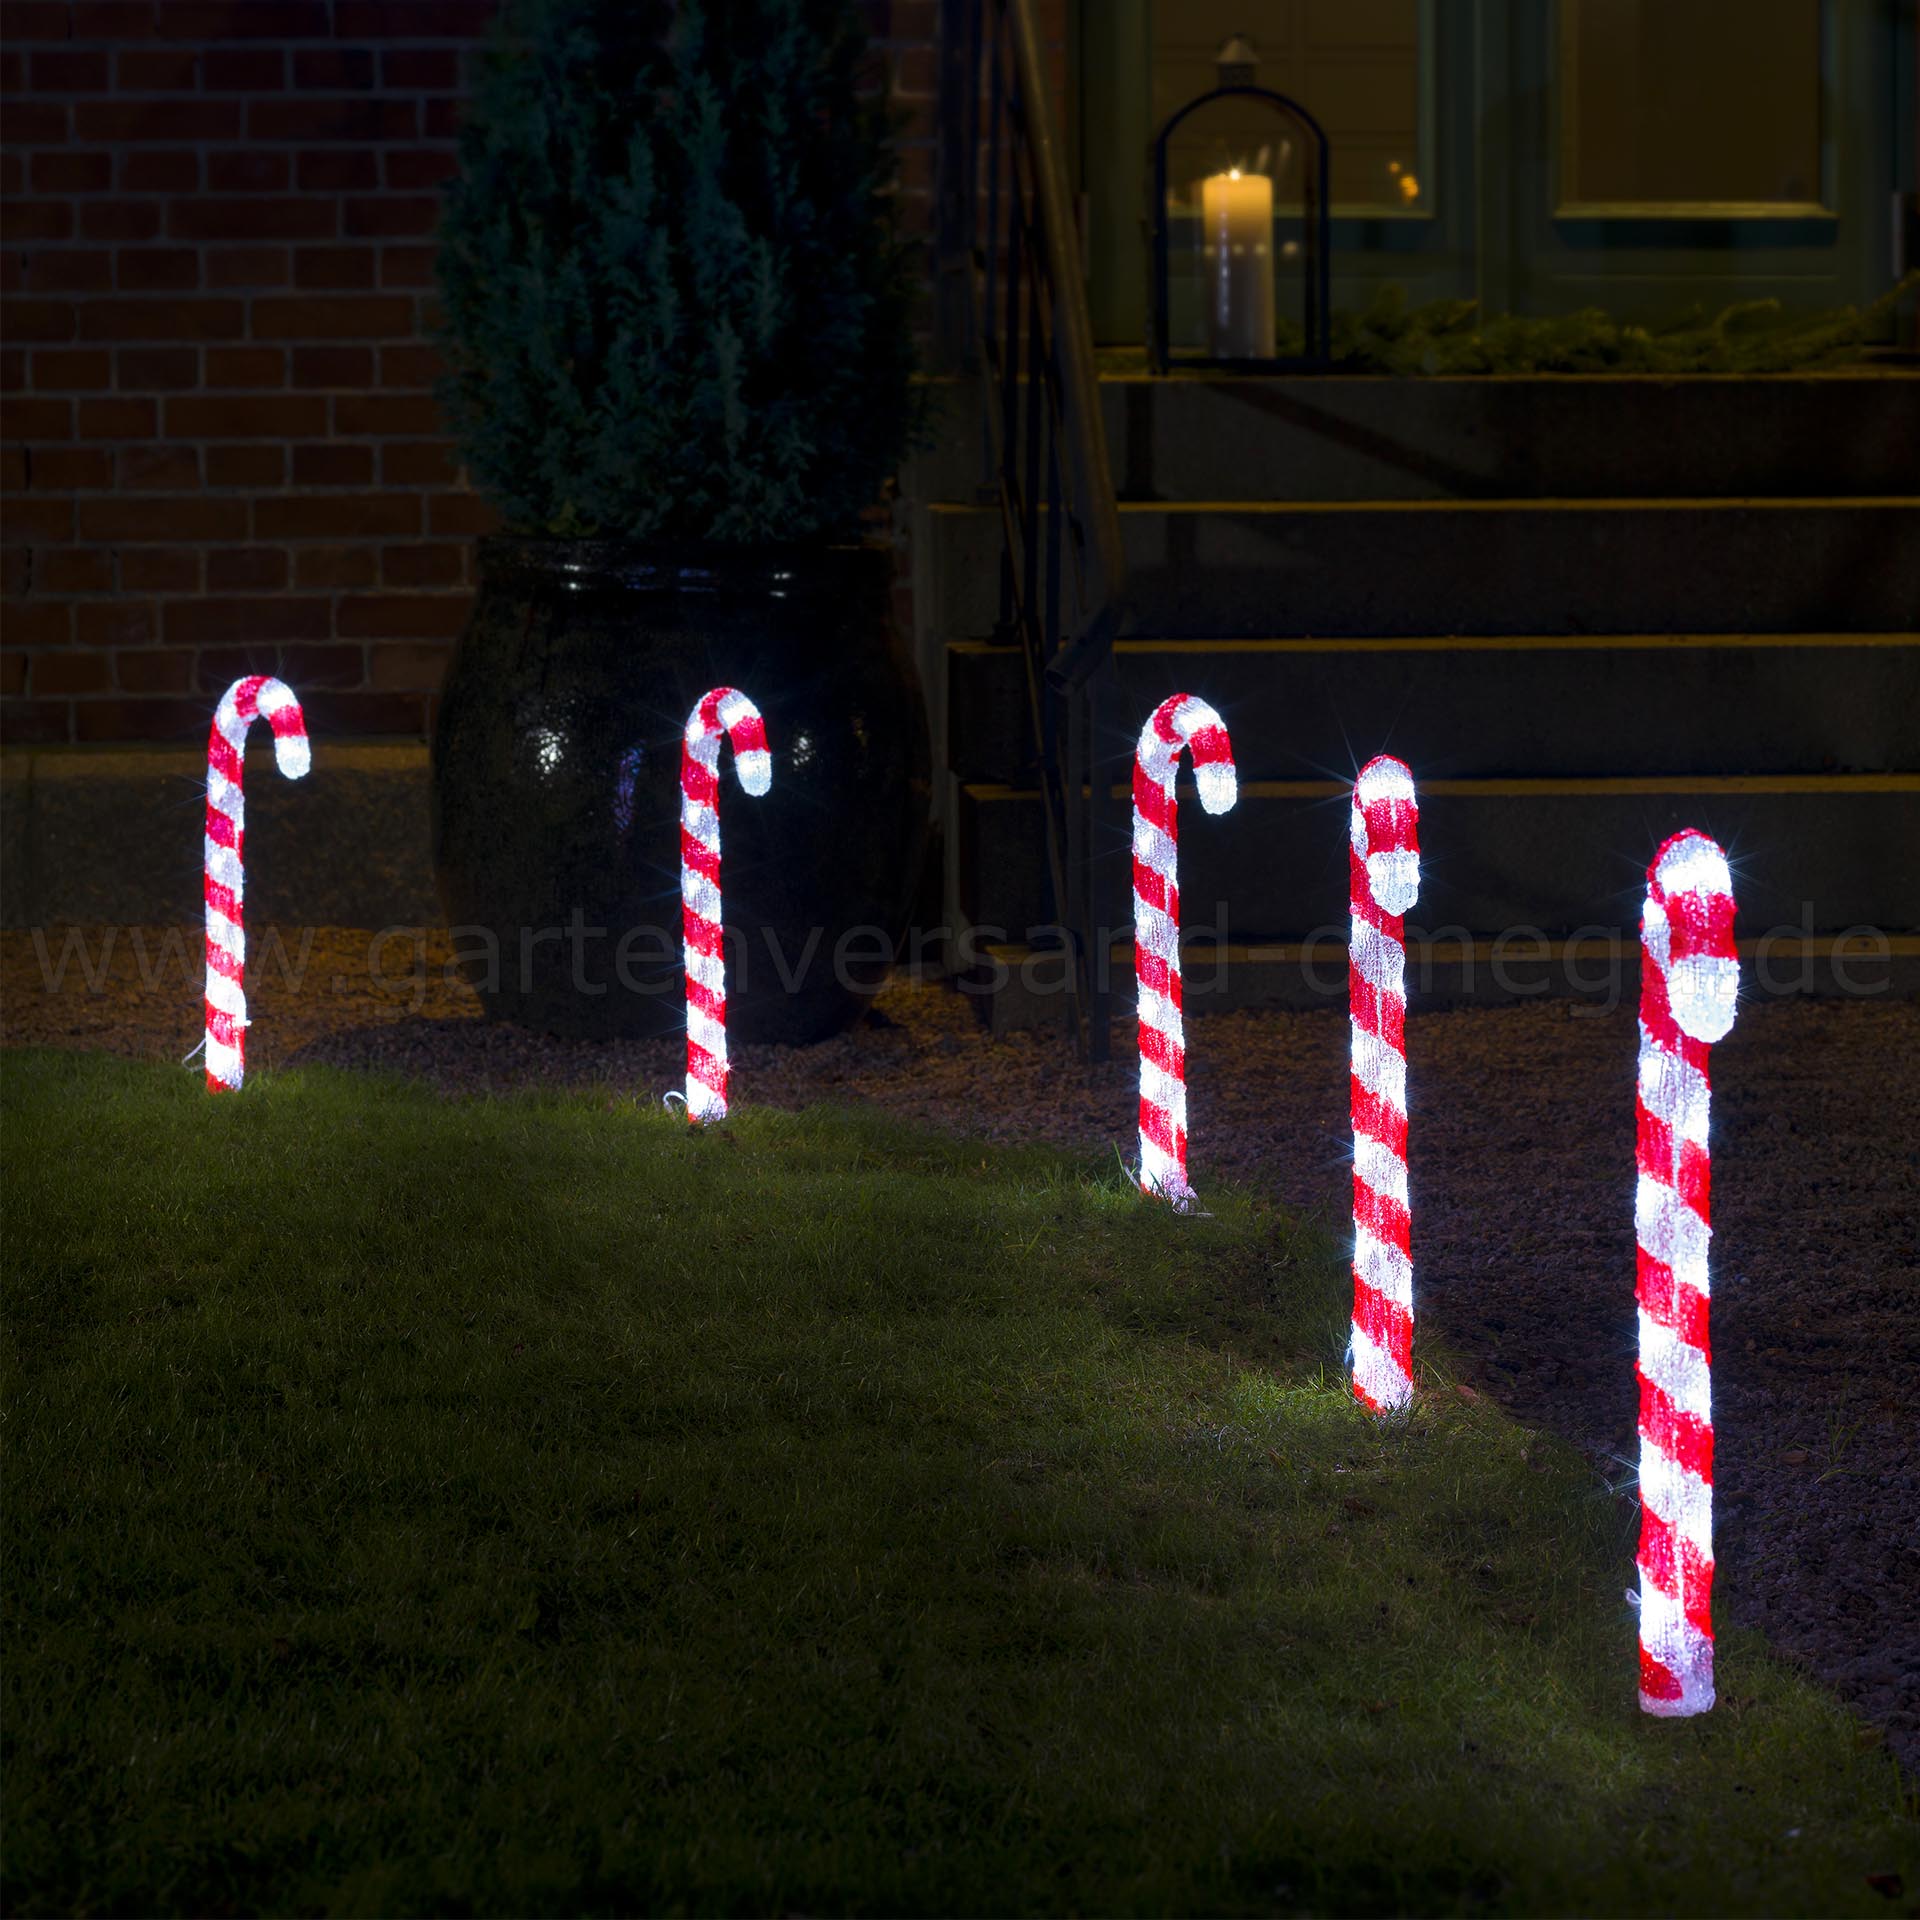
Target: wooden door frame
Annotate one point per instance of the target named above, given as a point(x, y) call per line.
point(1494, 230)
point(1644, 263)
point(1428, 250)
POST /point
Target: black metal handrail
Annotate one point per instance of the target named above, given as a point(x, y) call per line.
point(1014, 313)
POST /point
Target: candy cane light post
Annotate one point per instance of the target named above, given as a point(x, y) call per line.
point(1384, 881)
point(722, 711)
point(1178, 723)
point(224, 882)
point(1689, 979)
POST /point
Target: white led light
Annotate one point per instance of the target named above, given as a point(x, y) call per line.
point(1383, 881)
point(223, 866)
point(1179, 724)
point(723, 711)
point(1689, 983)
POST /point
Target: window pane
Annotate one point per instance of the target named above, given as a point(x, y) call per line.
point(1690, 101)
point(1353, 64)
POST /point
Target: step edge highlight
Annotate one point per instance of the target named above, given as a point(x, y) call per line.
point(1476, 643)
point(1717, 503)
point(1255, 953)
point(993, 792)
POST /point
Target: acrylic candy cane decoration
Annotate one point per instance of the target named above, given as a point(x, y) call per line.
point(224, 885)
point(722, 711)
point(1689, 979)
point(1384, 873)
point(1177, 723)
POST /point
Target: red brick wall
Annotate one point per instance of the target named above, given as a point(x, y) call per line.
point(221, 449)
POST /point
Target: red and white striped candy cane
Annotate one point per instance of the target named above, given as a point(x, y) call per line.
point(723, 711)
point(1384, 881)
point(1178, 722)
point(224, 880)
point(1689, 979)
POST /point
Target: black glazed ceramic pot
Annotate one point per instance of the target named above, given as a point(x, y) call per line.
point(556, 782)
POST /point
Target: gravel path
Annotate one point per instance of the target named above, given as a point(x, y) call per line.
point(1522, 1162)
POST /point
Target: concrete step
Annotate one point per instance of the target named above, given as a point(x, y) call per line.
point(1820, 854)
point(114, 838)
point(1602, 436)
point(1017, 987)
point(1240, 569)
point(1517, 705)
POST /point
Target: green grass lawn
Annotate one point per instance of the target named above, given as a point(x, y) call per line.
point(531, 1506)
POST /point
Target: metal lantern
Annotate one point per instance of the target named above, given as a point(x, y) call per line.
point(1241, 231)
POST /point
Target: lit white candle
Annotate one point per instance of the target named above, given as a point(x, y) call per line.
point(1236, 212)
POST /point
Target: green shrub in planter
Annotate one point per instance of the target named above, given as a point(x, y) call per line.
point(677, 323)
point(676, 306)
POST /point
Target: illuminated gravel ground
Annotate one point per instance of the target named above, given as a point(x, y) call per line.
point(1522, 1169)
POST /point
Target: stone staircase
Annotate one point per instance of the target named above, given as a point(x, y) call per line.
point(1586, 611)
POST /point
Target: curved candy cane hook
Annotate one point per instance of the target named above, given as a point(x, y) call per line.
point(722, 711)
point(1384, 881)
point(1689, 982)
point(224, 879)
point(1179, 723)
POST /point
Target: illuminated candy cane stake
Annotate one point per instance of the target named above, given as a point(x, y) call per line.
point(1179, 722)
point(721, 711)
point(1689, 979)
point(1384, 873)
point(224, 883)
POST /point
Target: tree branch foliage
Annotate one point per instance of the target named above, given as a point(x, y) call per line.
point(1452, 337)
point(676, 305)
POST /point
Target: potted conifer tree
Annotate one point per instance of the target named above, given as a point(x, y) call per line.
point(677, 327)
